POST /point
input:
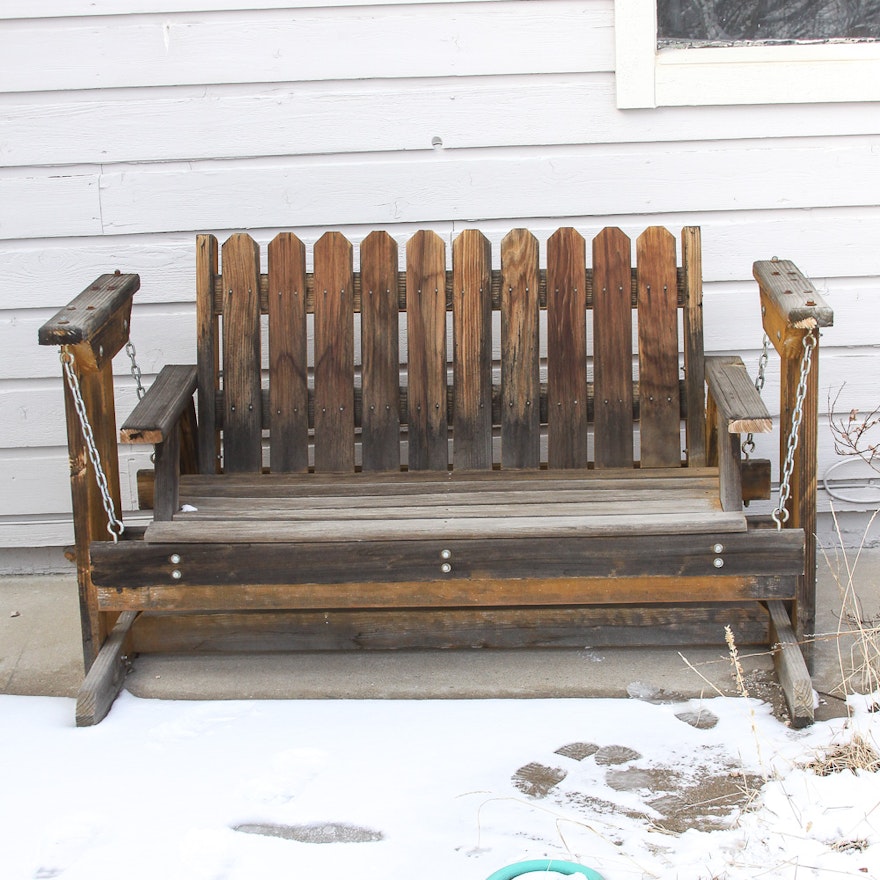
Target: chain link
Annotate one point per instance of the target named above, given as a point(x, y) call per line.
point(780, 515)
point(114, 524)
point(748, 446)
point(135, 369)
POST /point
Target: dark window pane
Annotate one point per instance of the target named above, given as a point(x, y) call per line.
point(741, 20)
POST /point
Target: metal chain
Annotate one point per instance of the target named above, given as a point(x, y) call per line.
point(780, 515)
point(114, 524)
point(749, 446)
point(135, 369)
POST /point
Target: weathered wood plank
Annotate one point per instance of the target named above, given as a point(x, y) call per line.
point(739, 403)
point(334, 354)
point(472, 351)
point(790, 666)
point(536, 627)
point(85, 316)
point(520, 351)
point(426, 352)
point(106, 676)
point(658, 349)
point(612, 349)
point(288, 362)
point(567, 350)
point(455, 593)
point(207, 353)
point(242, 418)
point(161, 408)
point(187, 531)
point(692, 327)
point(166, 496)
point(380, 353)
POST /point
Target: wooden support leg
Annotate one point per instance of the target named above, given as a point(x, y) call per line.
point(790, 666)
point(106, 676)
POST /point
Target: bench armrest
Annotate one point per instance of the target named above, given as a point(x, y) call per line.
point(738, 402)
point(97, 321)
point(790, 304)
point(161, 408)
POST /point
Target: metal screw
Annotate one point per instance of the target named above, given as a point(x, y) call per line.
point(177, 574)
point(718, 562)
point(718, 548)
point(446, 568)
point(174, 559)
point(446, 554)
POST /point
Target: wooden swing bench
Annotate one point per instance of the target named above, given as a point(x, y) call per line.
point(436, 458)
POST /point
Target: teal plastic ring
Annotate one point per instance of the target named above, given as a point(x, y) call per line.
point(544, 865)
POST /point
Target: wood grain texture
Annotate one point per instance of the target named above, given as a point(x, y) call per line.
point(288, 363)
point(567, 349)
point(790, 666)
point(548, 627)
point(520, 351)
point(334, 354)
point(692, 326)
point(426, 347)
point(161, 408)
point(738, 401)
point(612, 349)
point(242, 417)
point(659, 404)
point(380, 353)
point(207, 353)
point(472, 351)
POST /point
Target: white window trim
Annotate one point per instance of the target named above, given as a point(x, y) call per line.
point(800, 73)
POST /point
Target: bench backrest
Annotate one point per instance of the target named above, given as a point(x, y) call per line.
point(568, 365)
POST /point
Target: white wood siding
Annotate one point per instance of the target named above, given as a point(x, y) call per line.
point(128, 126)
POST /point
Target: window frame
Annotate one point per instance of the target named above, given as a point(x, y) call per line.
point(797, 73)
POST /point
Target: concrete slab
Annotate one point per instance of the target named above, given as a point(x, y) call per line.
point(40, 653)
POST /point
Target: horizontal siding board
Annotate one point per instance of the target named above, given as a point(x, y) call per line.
point(64, 8)
point(555, 182)
point(222, 122)
point(464, 39)
point(37, 204)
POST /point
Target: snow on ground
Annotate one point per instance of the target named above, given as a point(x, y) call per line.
point(428, 789)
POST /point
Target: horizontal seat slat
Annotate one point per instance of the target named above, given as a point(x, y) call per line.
point(264, 531)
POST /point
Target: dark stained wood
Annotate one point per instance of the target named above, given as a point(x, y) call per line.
point(380, 353)
point(567, 349)
point(729, 466)
point(472, 351)
point(334, 354)
point(166, 499)
point(692, 325)
point(426, 352)
point(288, 360)
point(535, 627)
point(242, 419)
point(133, 564)
point(106, 676)
point(520, 351)
point(207, 353)
point(612, 349)
point(85, 316)
point(659, 423)
point(161, 408)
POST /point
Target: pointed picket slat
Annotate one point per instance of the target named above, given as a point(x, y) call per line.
point(520, 351)
point(694, 364)
point(426, 345)
point(208, 357)
point(472, 351)
point(288, 365)
point(380, 353)
point(334, 354)
point(242, 418)
point(659, 405)
point(567, 349)
point(612, 349)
